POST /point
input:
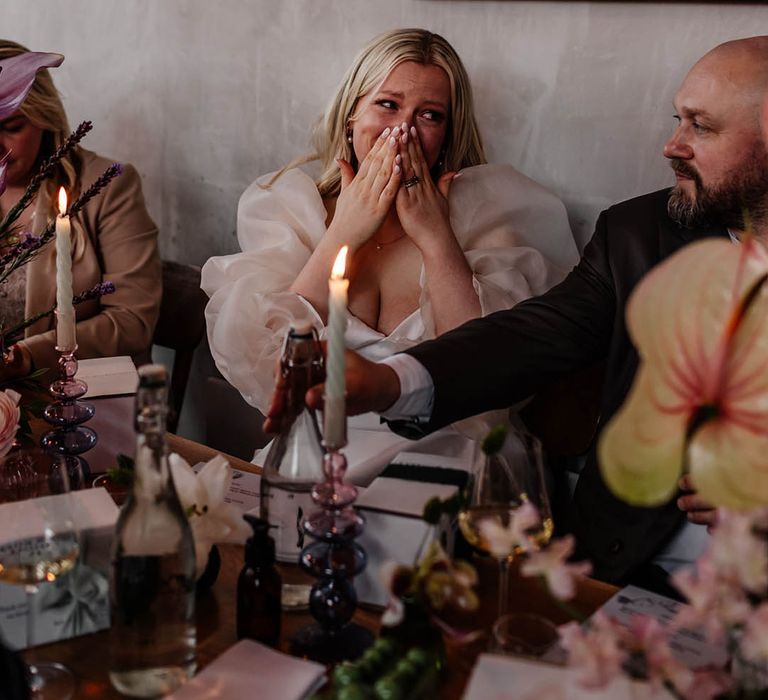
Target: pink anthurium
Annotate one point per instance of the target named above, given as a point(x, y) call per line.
point(17, 74)
point(699, 321)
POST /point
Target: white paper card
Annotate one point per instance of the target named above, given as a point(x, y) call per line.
point(689, 646)
point(89, 509)
point(108, 376)
point(250, 670)
point(394, 529)
point(76, 603)
point(513, 678)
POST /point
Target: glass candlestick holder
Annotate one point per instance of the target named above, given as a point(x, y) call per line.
point(67, 413)
point(333, 558)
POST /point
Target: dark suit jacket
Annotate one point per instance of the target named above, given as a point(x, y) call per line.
point(496, 361)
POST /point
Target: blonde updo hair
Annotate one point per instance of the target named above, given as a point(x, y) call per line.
point(463, 146)
point(44, 109)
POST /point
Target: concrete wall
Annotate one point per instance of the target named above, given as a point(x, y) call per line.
point(204, 96)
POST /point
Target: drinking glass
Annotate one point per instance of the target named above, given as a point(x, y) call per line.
point(523, 634)
point(38, 542)
point(501, 483)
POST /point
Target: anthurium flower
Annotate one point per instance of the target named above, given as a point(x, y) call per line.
point(17, 74)
point(699, 321)
point(202, 496)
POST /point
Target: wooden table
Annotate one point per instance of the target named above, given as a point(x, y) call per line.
point(88, 656)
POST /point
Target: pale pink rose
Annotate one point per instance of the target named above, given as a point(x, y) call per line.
point(598, 652)
point(9, 419)
point(551, 563)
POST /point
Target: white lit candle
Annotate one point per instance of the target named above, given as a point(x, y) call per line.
point(335, 420)
point(65, 312)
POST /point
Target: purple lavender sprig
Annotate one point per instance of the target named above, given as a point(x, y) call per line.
point(95, 292)
point(14, 334)
point(48, 233)
point(46, 170)
point(26, 243)
point(100, 183)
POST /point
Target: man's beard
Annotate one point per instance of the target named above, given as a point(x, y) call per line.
point(746, 192)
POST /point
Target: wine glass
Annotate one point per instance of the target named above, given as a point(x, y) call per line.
point(38, 542)
point(501, 483)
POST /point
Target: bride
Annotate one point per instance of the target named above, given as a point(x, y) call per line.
point(436, 236)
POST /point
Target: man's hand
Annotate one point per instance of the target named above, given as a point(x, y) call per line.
point(698, 511)
point(370, 387)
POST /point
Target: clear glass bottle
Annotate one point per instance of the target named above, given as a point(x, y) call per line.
point(294, 460)
point(152, 587)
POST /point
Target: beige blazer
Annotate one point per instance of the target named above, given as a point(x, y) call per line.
point(113, 240)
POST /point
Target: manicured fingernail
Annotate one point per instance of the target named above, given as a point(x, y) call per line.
point(405, 137)
point(398, 158)
point(385, 133)
point(405, 126)
point(396, 131)
point(413, 131)
point(397, 168)
point(392, 140)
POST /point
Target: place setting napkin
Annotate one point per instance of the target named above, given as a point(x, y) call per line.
point(248, 670)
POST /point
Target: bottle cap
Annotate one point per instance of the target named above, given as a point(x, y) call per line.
point(153, 375)
point(301, 328)
point(260, 548)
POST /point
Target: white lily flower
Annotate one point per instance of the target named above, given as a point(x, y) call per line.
point(202, 496)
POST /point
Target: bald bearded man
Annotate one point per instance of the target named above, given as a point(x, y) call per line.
point(720, 160)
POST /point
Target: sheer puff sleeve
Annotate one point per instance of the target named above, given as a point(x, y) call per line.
point(515, 236)
point(250, 307)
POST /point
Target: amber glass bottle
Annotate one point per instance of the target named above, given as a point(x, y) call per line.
point(259, 588)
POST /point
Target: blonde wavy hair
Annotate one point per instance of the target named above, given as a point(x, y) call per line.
point(463, 146)
point(44, 109)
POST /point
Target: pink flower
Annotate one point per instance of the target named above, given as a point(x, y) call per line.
point(551, 563)
point(737, 553)
point(503, 541)
point(699, 321)
point(661, 666)
point(9, 419)
point(713, 601)
point(596, 652)
point(754, 642)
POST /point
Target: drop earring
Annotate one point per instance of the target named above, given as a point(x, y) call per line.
point(349, 135)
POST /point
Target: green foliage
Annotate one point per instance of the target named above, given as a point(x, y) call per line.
point(122, 473)
point(494, 441)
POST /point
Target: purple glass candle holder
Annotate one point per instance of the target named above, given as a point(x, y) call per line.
point(333, 558)
point(67, 414)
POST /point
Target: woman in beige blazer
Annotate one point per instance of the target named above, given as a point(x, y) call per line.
point(113, 239)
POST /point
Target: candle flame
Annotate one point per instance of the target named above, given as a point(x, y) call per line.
point(62, 201)
point(340, 266)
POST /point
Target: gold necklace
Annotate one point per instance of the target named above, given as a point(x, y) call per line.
point(379, 246)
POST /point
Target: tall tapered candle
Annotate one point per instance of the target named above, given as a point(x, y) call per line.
point(335, 420)
point(65, 312)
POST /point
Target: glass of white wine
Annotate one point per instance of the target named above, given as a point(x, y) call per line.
point(503, 481)
point(38, 543)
